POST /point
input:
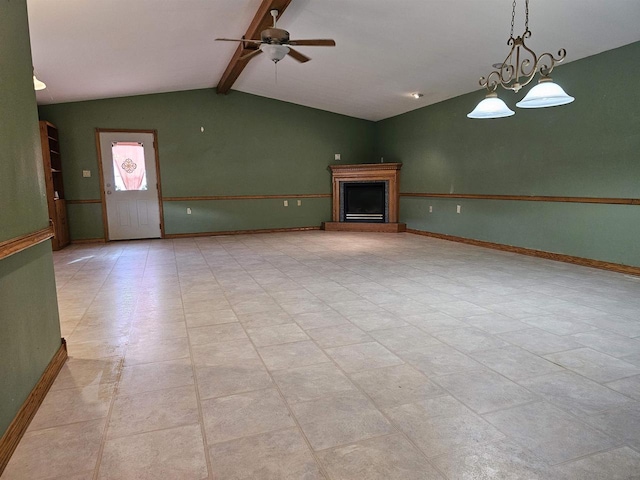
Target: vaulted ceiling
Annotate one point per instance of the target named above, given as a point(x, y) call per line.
point(385, 49)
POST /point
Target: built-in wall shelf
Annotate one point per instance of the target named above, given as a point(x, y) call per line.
point(56, 202)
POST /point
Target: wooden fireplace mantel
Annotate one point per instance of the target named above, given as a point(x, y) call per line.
point(364, 172)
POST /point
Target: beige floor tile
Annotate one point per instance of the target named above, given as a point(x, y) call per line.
point(594, 365)
point(619, 464)
point(363, 356)
point(216, 333)
point(404, 338)
point(73, 405)
point(211, 317)
point(156, 351)
point(136, 298)
point(245, 414)
point(110, 347)
point(226, 353)
point(264, 319)
point(150, 332)
point(156, 410)
point(340, 419)
point(494, 460)
point(320, 319)
point(76, 373)
point(309, 383)
point(550, 433)
point(281, 455)
point(399, 385)
point(54, 452)
point(338, 335)
point(277, 334)
point(484, 390)
point(376, 320)
point(175, 453)
point(278, 357)
point(384, 458)
point(442, 425)
point(156, 376)
point(228, 379)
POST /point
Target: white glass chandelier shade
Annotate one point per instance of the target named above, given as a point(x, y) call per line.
point(545, 94)
point(274, 52)
point(491, 107)
point(37, 84)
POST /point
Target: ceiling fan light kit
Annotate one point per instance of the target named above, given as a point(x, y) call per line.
point(518, 70)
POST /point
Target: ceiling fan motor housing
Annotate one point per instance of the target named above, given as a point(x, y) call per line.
point(275, 36)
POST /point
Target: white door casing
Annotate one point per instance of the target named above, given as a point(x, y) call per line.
point(131, 214)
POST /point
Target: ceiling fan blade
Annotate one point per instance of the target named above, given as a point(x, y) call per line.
point(298, 56)
point(249, 56)
point(237, 40)
point(326, 42)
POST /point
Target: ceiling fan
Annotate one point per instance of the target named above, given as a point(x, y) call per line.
point(276, 44)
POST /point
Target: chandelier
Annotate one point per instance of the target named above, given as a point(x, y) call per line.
point(518, 70)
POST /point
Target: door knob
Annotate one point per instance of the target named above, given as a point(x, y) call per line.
point(108, 192)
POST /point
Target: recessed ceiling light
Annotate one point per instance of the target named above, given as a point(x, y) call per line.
point(417, 95)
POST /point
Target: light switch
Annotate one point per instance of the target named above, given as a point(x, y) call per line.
point(286, 203)
point(430, 208)
point(299, 203)
point(336, 156)
point(86, 173)
point(458, 209)
point(188, 211)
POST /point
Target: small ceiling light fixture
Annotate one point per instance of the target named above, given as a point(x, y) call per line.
point(417, 95)
point(274, 52)
point(518, 70)
point(38, 84)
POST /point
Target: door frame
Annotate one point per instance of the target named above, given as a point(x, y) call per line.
point(103, 200)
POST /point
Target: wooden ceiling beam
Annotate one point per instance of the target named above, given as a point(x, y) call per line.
point(260, 22)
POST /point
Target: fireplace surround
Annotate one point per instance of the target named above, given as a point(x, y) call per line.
point(365, 197)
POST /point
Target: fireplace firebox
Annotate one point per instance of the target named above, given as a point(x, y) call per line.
point(364, 202)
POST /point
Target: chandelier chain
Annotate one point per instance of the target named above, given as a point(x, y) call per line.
point(513, 16)
point(526, 17)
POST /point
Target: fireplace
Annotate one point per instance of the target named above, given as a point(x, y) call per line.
point(365, 197)
point(364, 202)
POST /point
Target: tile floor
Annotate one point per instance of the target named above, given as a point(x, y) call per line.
point(337, 355)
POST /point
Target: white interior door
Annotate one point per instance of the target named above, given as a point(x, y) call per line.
point(130, 185)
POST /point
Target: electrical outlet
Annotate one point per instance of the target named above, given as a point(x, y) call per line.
point(336, 156)
point(430, 208)
point(458, 209)
point(286, 203)
point(299, 203)
point(86, 173)
point(188, 211)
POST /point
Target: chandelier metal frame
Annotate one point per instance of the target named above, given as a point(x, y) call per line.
point(526, 64)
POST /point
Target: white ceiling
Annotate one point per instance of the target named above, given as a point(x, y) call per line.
point(386, 49)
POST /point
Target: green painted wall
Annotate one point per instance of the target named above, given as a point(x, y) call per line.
point(250, 146)
point(29, 325)
point(590, 148)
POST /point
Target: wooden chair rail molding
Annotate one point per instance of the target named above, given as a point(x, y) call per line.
point(585, 262)
point(245, 197)
point(82, 202)
point(18, 244)
point(528, 198)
